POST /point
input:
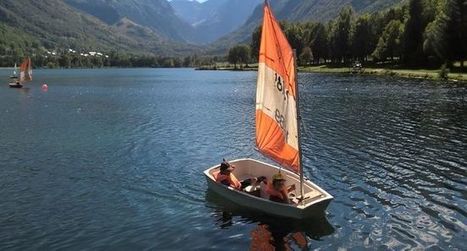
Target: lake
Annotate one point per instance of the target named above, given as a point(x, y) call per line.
point(113, 159)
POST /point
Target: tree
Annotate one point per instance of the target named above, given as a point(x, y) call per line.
point(435, 43)
point(239, 54)
point(445, 37)
point(379, 21)
point(166, 62)
point(320, 43)
point(65, 60)
point(245, 54)
point(413, 35)
point(361, 38)
point(255, 42)
point(389, 43)
point(456, 30)
point(340, 35)
point(315, 37)
point(187, 61)
point(233, 56)
point(294, 34)
point(306, 56)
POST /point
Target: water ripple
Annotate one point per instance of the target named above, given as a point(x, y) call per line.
point(112, 159)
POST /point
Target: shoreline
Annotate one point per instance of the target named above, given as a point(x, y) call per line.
point(404, 73)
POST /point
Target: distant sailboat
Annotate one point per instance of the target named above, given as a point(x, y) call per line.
point(277, 134)
point(25, 74)
point(14, 72)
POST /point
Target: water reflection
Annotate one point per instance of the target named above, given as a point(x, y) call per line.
point(267, 237)
point(270, 232)
point(24, 90)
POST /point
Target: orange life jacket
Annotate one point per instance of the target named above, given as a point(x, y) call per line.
point(275, 195)
point(231, 180)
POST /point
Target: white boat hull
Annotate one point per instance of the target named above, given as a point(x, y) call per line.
point(15, 85)
point(314, 205)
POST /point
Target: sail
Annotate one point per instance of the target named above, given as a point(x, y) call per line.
point(276, 103)
point(25, 70)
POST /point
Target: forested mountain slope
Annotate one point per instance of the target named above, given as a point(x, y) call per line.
point(55, 24)
point(157, 15)
point(293, 10)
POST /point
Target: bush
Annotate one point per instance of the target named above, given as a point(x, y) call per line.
point(443, 72)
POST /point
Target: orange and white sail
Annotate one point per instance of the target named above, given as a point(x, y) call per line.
point(25, 70)
point(276, 96)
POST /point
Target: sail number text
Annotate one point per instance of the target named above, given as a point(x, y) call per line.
point(280, 87)
point(279, 84)
point(280, 119)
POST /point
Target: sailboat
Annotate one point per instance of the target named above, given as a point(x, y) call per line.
point(14, 75)
point(25, 74)
point(277, 134)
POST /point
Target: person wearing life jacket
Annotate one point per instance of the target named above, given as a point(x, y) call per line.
point(226, 177)
point(277, 190)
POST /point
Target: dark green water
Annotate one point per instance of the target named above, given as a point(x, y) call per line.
point(113, 159)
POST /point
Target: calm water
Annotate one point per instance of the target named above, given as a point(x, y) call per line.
point(110, 159)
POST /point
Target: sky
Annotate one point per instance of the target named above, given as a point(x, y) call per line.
point(196, 0)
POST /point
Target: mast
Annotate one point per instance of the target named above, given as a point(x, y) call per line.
point(299, 120)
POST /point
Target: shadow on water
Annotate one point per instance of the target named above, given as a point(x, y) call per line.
point(271, 232)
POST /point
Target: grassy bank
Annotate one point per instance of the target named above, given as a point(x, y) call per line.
point(406, 73)
point(227, 67)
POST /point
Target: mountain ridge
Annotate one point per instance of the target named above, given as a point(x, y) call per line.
point(155, 14)
point(151, 26)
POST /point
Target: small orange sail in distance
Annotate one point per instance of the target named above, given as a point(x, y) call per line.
point(25, 69)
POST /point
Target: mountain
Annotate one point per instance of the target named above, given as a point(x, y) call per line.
point(293, 10)
point(324, 10)
point(151, 26)
point(193, 11)
point(12, 39)
point(178, 20)
point(55, 24)
point(157, 15)
point(187, 10)
point(214, 18)
point(225, 19)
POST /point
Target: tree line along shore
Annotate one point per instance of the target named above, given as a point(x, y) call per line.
point(422, 38)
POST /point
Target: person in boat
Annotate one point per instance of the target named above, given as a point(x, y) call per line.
point(277, 190)
point(226, 177)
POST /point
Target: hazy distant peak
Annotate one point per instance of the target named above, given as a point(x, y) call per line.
point(198, 1)
point(214, 18)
